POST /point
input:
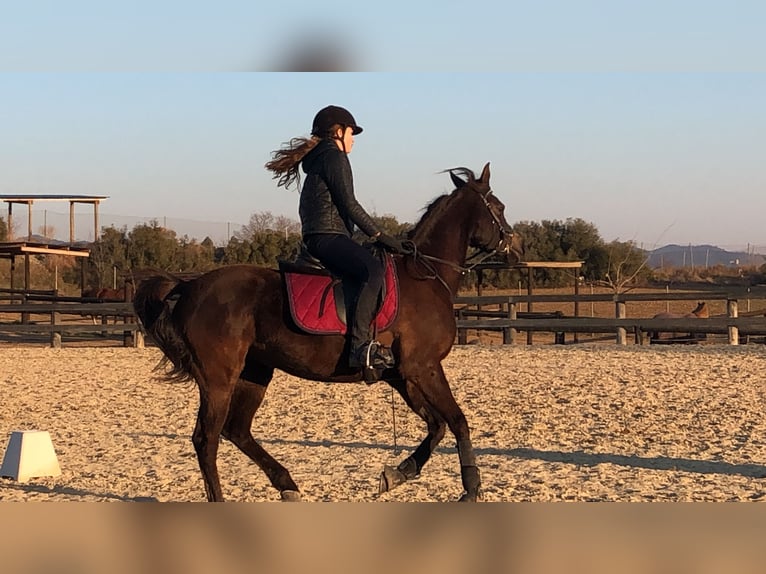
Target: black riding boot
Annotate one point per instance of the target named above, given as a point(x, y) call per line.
point(364, 351)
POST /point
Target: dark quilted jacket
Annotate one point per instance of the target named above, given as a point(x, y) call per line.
point(328, 204)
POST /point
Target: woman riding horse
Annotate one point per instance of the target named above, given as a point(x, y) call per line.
point(329, 211)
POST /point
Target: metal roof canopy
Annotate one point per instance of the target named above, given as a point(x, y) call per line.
point(72, 199)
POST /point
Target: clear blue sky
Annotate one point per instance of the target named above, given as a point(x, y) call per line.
point(648, 123)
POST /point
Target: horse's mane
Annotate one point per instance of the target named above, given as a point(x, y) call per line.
point(434, 209)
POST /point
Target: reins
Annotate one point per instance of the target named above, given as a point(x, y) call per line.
point(456, 267)
point(424, 260)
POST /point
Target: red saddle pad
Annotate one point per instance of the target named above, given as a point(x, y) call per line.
point(313, 305)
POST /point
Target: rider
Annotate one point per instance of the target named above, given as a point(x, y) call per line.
point(329, 211)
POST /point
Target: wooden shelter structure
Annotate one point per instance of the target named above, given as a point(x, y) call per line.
point(30, 244)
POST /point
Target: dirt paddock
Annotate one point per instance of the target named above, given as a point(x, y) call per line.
point(549, 423)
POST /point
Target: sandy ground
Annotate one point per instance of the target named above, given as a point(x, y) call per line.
point(549, 423)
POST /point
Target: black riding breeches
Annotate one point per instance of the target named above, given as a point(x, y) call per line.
point(355, 264)
point(350, 261)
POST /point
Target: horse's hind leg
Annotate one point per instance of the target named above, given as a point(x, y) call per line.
point(410, 467)
point(247, 397)
point(210, 419)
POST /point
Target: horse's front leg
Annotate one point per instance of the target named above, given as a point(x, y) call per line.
point(410, 467)
point(435, 389)
point(469, 472)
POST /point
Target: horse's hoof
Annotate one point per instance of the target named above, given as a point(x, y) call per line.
point(290, 496)
point(390, 478)
point(470, 497)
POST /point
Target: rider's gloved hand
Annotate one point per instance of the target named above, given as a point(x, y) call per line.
point(392, 243)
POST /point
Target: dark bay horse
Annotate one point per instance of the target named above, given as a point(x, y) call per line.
point(230, 328)
point(103, 293)
point(108, 295)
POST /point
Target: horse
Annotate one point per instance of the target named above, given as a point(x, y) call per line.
point(700, 311)
point(108, 295)
point(230, 328)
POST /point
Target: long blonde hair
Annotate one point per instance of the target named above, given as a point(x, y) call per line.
point(285, 162)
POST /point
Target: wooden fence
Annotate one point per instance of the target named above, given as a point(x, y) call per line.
point(66, 316)
point(499, 313)
point(20, 295)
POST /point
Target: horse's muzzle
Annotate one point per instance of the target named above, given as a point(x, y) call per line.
point(512, 246)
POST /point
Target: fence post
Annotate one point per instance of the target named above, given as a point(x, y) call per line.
point(55, 335)
point(462, 336)
point(733, 313)
point(24, 315)
point(622, 336)
point(576, 338)
point(129, 338)
point(509, 333)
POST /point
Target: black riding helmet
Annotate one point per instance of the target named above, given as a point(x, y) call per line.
point(327, 117)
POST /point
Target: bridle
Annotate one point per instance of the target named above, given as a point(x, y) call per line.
point(506, 235)
point(503, 246)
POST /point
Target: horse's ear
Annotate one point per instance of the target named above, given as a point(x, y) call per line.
point(485, 174)
point(456, 180)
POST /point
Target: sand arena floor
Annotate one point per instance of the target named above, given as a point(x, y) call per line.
point(549, 423)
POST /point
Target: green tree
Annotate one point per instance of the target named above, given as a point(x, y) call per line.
point(572, 239)
point(193, 256)
point(151, 245)
point(542, 242)
point(237, 251)
point(208, 248)
point(581, 241)
point(108, 253)
point(264, 248)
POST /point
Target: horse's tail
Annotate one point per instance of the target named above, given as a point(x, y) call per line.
point(154, 301)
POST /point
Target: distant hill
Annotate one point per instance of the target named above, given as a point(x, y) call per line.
point(701, 256)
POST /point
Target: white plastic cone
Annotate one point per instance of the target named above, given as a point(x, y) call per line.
point(30, 454)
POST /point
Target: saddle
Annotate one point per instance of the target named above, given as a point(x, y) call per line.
point(317, 298)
